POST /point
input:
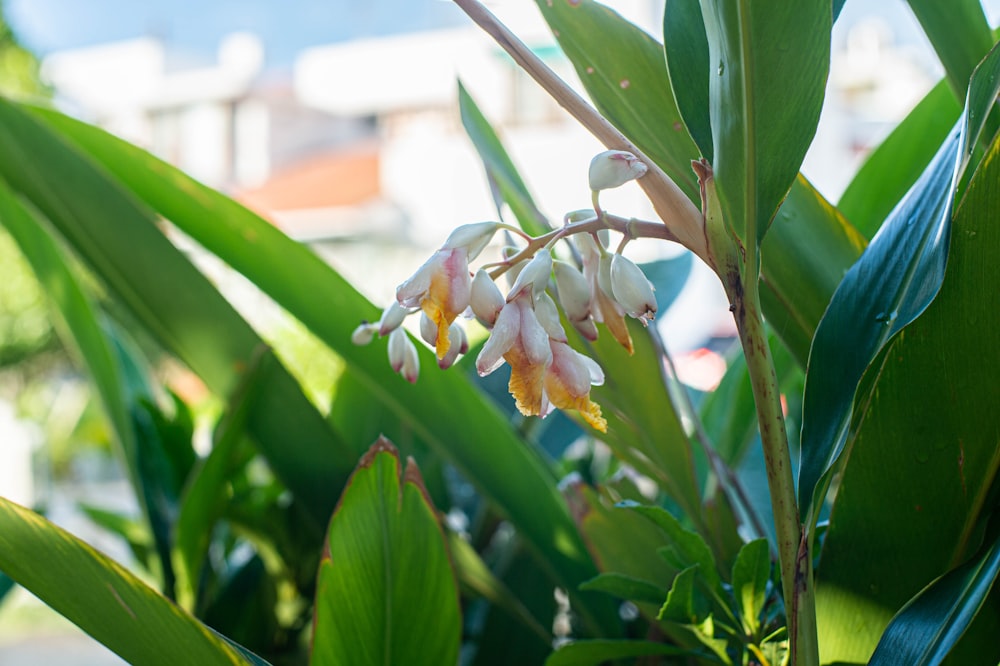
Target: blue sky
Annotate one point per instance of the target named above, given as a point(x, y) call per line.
point(286, 26)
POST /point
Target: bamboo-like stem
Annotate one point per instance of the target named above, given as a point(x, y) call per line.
point(670, 203)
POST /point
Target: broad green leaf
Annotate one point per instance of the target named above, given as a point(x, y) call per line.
point(895, 165)
point(625, 587)
point(101, 597)
point(505, 182)
point(120, 241)
point(923, 464)
point(133, 531)
point(750, 575)
point(594, 653)
point(686, 47)
point(442, 409)
point(680, 604)
point(960, 34)
point(628, 83)
point(768, 63)
point(894, 281)
point(929, 625)
point(689, 547)
point(386, 591)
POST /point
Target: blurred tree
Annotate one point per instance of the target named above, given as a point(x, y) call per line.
point(18, 66)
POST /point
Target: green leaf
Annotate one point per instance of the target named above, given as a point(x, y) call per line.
point(442, 410)
point(689, 546)
point(894, 281)
point(686, 47)
point(930, 624)
point(594, 653)
point(923, 465)
point(960, 34)
point(386, 591)
point(750, 575)
point(628, 83)
point(101, 597)
point(505, 182)
point(895, 165)
point(625, 587)
point(768, 63)
point(244, 607)
point(120, 241)
point(680, 604)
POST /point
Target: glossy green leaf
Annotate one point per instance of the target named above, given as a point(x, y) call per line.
point(120, 241)
point(919, 480)
point(686, 47)
point(101, 597)
point(960, 34)
point(768, 63)
point(750, 575)
point(890, 286)
point(386, 565)
point(594, 653)
point(628, 83)
point(680, 604)
point(625, 587)
point(457, 422)
point(929, 625)
point(898, 161)
point(505, 182)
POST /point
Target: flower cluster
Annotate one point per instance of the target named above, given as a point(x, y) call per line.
point(526, 329)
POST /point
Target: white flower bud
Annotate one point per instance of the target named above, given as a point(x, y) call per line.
point(486, 300)
point(364, 334)
point(587, 328)
point(471, 237)
point(535, 274)
point(392, 318)
point(632, 290)
point(613, 168)
point(574, 291)
point(459, 345)
point(403, 355)
point(548, 317)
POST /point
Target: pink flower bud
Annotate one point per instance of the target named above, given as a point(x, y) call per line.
point(459, 345)
point(403, 355)
point(535, 275)
point(574, 291)
point(632, 290)
point(392, 318)
point(471, 237)
point(613, 168)
point(364, 334)
point(548, 317)
point(428, 329)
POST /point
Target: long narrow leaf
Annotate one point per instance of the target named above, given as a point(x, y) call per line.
point(890, 286)
point(101, 597)
point(960, 34)
point(119, 239)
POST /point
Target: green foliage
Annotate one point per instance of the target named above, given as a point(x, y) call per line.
point(878, 302)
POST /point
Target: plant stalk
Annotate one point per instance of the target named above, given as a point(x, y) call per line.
point(794, 554)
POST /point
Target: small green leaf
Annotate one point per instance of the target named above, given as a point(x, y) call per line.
point(625, 587)
point(896, 278)
point(101, 597)
point(929, 625)
point(762, 56)
point(680, 604)
point(505, 181)
point(750, 575)
point(689, 546)
point(594, 653)
point(386, 567)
